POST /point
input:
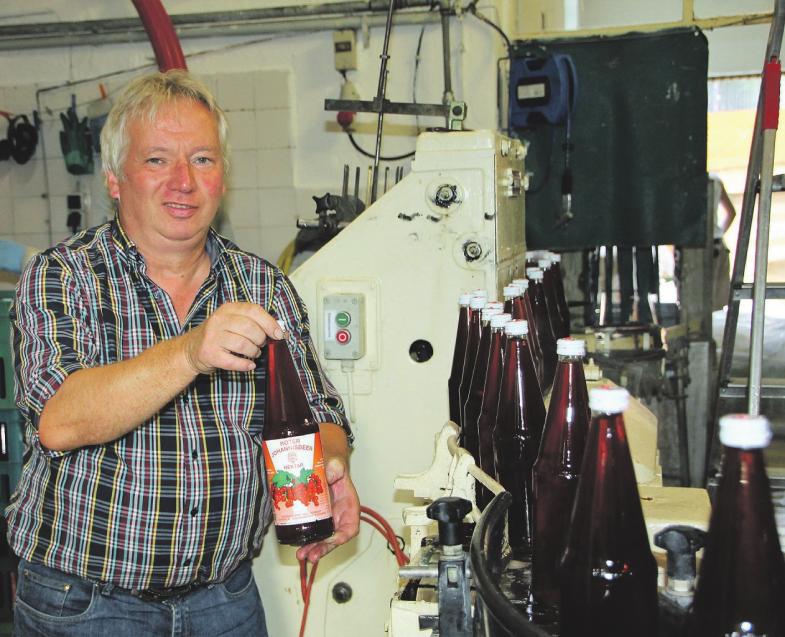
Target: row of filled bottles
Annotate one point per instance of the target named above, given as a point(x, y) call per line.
point(576, 513)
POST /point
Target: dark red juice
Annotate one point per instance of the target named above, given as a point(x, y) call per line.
point(517, 435)
point(490, 402)
point(293, 457)
point(557, 469)
point(741, 587)
point(608, 575)
point(470, 439)
point(458, 358)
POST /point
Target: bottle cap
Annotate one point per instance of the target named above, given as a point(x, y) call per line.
point(465, 298)
point(556, 258)
point(477, 302)
point(517, 327)
point(499, 320)
point(498, 304)
point(745, 432)
point(479, 292)
point(488, 312)
point(521, 283)
point(534, 255)
point(534, 274)
point(511, 290)
point(609, 400)
point(570, 347)
point(544, 264)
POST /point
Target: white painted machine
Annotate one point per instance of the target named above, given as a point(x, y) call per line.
point(382, 297)
point(383, 307)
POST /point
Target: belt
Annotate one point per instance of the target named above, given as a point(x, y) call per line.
point(164, 594)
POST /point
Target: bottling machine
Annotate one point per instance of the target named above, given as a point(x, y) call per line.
point(382, 298)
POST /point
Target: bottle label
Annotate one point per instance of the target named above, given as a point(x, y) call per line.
point(296, 479)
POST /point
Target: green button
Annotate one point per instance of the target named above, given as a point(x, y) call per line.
point(343, 319)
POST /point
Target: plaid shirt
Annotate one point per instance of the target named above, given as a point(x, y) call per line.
point(182, 497)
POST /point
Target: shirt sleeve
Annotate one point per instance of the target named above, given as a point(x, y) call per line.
point(51, 335)
point(288, 307)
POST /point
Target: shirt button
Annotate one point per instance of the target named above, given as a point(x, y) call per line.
point(194, 511)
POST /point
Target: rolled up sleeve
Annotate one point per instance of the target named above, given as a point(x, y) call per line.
point(51, 335)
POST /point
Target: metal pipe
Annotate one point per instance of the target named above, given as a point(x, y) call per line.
point(445, 19)
point(345, 15)
point(761, 263)
point(380, 93)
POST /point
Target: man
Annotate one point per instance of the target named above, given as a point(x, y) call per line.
point(142, 497)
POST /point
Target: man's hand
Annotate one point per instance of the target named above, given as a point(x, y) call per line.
point(346, 512)
point(230, 338)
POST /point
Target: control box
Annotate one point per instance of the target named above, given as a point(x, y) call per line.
point(345, 47)
point(344, 326)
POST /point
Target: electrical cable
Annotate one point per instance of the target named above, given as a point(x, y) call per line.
point(473, 11)
point(374, 519)
point(381, 158)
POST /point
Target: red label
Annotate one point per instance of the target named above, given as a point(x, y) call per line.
point(296, 479)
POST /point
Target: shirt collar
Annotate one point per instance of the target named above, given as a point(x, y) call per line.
point(215, 246)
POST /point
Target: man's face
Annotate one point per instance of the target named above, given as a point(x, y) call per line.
point(173, 177)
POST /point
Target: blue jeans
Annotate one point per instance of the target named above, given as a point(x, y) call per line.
point(54, 604)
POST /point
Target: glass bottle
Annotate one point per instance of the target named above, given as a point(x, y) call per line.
point(458, 357)
point(742, 575)
point(471, 408)
point(551, 299)
point(545, 330)
point(476, 305)
point(524, 311)
point(490, 403)
point(516, 439)
point(296, 478)
point(608, 575)
point(558, 468)
point(561, 296)
point(510, 292)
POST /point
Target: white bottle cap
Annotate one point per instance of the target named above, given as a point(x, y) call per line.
point(556, 258)
point(499, 320)
point(534, 255)
point(521, 283)
point(570, 347)
point(477, 302)
point(517, 327)
point(498, 304)
point(609, 400)
point(465, 298)
point(544, 264)
point(535, 274)
point(511, 290)
point(745, 432)
point(478, 292)
point(488, 312)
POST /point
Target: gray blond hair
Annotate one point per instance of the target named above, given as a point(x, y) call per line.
point(141, 99)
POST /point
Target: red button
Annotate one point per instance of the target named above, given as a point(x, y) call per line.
point(343, 336)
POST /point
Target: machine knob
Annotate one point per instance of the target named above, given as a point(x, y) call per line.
point(681, 542)
point(449, 513)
